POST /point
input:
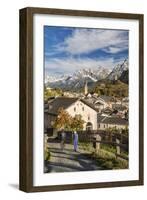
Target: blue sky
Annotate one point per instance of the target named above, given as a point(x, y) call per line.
point(68, 49)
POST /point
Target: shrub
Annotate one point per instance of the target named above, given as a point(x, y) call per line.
point(108, 164)
point(109, 161)
point(47, 155)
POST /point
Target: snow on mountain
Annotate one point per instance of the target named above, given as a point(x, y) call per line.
point(53, 79)
point(91, 76)
point(78, 79)
point(118, 70)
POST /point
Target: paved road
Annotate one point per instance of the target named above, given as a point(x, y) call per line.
point(68, 161)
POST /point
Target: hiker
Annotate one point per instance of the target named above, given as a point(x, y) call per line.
point(75, 140)
point(63, 136)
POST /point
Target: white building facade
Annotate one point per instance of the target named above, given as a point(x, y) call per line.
point(89, 115)
point(75, 107)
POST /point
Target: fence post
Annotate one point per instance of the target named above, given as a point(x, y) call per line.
point(117, 146)
point(98, 144)
point(45, 141)
point(55, 134)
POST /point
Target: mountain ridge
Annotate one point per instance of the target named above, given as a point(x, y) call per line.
point(79, 78)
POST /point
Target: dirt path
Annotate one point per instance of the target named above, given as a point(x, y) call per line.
point(68, 161)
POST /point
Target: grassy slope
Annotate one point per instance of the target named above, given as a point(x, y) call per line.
point(110, 88)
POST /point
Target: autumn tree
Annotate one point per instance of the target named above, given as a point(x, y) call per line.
point(63, 120)
point(77, 123)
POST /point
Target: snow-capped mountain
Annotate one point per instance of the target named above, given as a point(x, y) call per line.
point(78, 79)
point(119, 71)
point(54, 79)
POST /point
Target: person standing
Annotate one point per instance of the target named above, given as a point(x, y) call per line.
point(75, 140)
point(63, 136)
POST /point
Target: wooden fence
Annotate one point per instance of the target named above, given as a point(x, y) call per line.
point(117, 140)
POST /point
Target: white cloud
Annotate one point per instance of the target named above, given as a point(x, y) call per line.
point(70, 65)
point(88, 40)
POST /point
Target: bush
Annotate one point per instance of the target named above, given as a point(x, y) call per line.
point(108, 164)
point(47, 155)
point(86, 146)
point(105, 157)
point(109, 161)
point(109, 148)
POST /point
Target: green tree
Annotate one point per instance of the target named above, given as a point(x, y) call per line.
point(52, 93)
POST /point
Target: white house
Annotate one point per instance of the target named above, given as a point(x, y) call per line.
point(73, 106)
point(103, 102)
point(105, 122)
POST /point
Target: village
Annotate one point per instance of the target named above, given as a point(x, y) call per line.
point(98, 112)
point(101, 123)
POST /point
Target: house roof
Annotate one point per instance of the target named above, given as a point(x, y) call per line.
point(105, 98)
point(119, 107)
point(65, 102)
point(89, 104)
point(100, 118)
point(98, 103)
point(112, 120)
point(107, 110)
point(60, 102)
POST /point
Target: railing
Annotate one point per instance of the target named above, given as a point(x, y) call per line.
point(98, 137)
point(97, 141)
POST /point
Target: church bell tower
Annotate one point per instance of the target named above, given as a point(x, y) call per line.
point(86, 88)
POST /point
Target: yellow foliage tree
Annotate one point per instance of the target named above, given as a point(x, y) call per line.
point(63, 120)
point(77, 123)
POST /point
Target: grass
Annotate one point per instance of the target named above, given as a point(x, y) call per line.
point(124, 153)
point(105, 157)
point(109, 161)
point(117, 88)
point(86, 146)
point(112, 149)
point(109, 148)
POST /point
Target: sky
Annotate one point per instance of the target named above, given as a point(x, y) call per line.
point(68, 49)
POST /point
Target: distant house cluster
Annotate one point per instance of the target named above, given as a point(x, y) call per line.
point(98, 112)
point(105, 122)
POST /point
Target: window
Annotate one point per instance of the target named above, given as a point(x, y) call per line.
point(83, 108)
point(104, 125)
point(88, 117)
point(75, 109)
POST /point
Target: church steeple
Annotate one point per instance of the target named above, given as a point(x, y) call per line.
point(86, 88)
